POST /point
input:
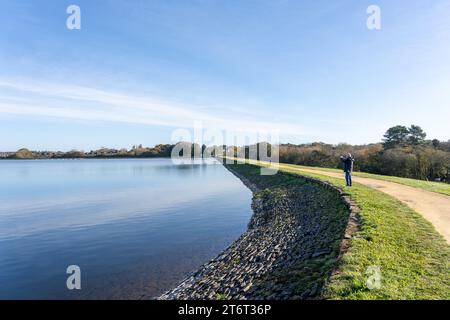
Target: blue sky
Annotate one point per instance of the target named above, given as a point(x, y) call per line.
point(138, 70)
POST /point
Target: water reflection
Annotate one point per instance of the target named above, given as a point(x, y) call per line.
point(135, 227)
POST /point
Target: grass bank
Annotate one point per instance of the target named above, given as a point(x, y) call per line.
point(438, 187)
point(318, 221)
point(414, 260)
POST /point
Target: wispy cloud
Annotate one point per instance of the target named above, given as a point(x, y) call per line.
point(30, 98)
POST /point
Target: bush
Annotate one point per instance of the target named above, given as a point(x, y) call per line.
point(23, 154)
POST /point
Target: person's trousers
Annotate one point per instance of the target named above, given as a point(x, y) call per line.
point(348, 178)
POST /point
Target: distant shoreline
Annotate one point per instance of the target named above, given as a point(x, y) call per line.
point(187, 149)
point(88, 158)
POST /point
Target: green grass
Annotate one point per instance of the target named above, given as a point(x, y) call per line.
point(413, 258)
point(438, 187)
point(221, 296)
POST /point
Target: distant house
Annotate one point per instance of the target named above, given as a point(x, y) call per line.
point(6, 154)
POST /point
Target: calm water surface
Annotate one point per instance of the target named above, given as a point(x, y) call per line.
point(134, 227)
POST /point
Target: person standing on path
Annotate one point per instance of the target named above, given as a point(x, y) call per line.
point(348, 168)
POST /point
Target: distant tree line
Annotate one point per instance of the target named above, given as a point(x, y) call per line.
point(404, 152)
point(187, 149)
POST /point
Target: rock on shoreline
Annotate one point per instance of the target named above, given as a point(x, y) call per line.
point(289, 250)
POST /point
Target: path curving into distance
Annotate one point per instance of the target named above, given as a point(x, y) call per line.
point(435, 207)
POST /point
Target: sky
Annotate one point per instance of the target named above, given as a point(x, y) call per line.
point(138, 72)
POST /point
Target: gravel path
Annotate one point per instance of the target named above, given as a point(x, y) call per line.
point(435, 207)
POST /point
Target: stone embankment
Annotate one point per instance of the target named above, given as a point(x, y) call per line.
point(299, 229)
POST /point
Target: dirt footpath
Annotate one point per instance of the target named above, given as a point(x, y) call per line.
point(433, 206)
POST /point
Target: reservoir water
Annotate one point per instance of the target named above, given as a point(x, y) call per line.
point(134, 227)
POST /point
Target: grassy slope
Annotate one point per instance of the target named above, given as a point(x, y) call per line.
point(438, 187)
point(314, 206)
point(414, 258)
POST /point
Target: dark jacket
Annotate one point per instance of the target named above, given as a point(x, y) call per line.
point(348, 164)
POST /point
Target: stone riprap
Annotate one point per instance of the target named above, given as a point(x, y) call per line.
point(293, 242)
